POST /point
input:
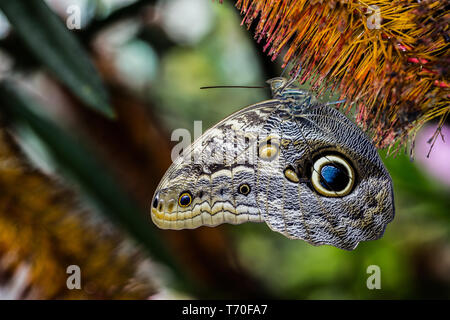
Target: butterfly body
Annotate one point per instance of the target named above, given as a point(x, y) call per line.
point(298, 165)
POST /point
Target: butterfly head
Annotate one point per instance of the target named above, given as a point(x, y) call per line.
point(277, 84)
point(283, 88)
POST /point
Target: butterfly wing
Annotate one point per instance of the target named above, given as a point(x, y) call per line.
point(322, 134)
point(216, 175)
point(257, 165)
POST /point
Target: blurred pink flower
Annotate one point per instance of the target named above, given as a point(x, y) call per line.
point(438, 163)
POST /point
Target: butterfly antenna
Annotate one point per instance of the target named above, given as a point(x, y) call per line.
point(286, 68)
point(335, 102)
point(233, 87)
point(291, 81)
point(282, 72)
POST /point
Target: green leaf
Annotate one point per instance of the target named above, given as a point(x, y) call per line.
point(95, 180)
point(412, 183)
point(54, 45)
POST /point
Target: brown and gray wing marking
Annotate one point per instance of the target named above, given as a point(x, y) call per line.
point(215, 181)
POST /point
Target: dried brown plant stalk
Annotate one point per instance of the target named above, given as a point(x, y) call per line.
point(43, 230)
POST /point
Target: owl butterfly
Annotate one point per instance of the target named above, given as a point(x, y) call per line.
point(297, 164)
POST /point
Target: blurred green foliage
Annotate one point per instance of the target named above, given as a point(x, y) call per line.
point(50, 42)
point(225, 56)
point(79, 165)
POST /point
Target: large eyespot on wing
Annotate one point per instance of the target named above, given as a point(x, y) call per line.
point(332, 176)
point(209, 186)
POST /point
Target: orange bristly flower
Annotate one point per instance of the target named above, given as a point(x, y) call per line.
point(389, 59)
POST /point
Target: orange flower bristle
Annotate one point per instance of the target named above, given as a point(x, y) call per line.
point(395, 73)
